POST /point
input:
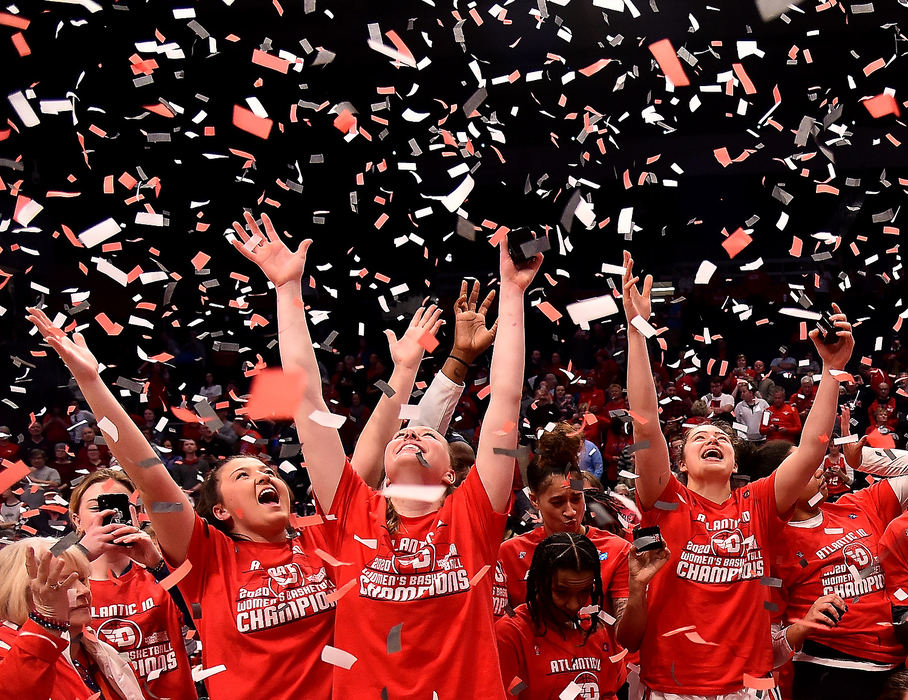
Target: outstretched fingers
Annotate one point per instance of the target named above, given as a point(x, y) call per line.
point(487, 303)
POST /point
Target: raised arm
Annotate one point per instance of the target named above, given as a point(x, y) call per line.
point(284, 269)
point(794, 473)
point(471, 339)
point(128, 445)
point(653, 469)
point(407, 353)
point(506, 377)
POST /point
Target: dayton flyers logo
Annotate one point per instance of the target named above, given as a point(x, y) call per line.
point(284, 577)
point(858, 556)
point(727, 543)
point(125, 635)
point(589, 686)
point(422, 559)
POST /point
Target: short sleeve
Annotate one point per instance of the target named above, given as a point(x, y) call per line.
point(618, 586)
point(510, 653)
point(672, 492)
point(352, 505)
point(205, 545)
point(763, 493)
point(471, 505)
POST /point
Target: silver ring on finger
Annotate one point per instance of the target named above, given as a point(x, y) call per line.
point(54, 586)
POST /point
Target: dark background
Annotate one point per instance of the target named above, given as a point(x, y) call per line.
point(88, 55)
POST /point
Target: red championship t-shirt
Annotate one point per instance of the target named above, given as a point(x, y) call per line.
point(264, 614)
point(516, 554)
point(414, 620)
point(836, 551)
point(548, 664)
point(139, 619)
point(707, 624)
point(894, 558)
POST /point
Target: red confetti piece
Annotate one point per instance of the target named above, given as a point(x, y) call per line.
point(549, 311)
point(200, 260)
point(736, 242)
point(744, 78)
point(175, 576)
point(275, 394)
point(21, 45)
point(344, 121)
point(479, 574)
point(668, 61)
point(428, 341)
point(881, 105)
point(340, 592)
point(758, 683)
point(266, 60)
point(248, 121)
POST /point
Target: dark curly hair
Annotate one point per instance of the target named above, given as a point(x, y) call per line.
point(563, 550)
point(558, 453)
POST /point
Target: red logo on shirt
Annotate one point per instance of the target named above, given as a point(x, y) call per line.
point(858, 556)
point(123, 634)
point(422, 560)
point(727, 543)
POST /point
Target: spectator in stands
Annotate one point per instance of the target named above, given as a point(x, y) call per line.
point(838, 474)
point(55, 426)
point(102, 454)
point(35, 440)
point(564, 402)
point(466, 418)
point(763, 380)
point(878, 434)
point(886, 402)
point(738, 372)
point(542, 412)
point(590, 459)
point(749, 412)
point(802, 399)
point(79, 418)
point(674, 409)
point(210, 447)
point(617, 438)
point(64, 463)
point(720, 404)
point(783, 422)
point(808, 365)
point(699, 413)
point(210, 390)
point(186, 469)
point(8, 449)
point(41, 475)
point(95, 458)
point(11, 509)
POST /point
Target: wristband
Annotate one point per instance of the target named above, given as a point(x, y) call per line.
point(81, 547)
point(159, 571)
point(48, 623)
point(457, 359)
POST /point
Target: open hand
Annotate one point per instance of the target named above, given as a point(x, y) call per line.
point(73, 351)
point(407, 351)
point(269, 252)
point(644, 565)
point(471, 337)
point(636, 303)
point(47, 586)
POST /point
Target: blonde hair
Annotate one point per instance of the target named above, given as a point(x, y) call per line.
point(15, 601)
point(75, 500)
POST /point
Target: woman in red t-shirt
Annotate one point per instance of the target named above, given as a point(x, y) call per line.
point(556, 644)
point(260, 587)
point(418, 619)
point(129, 609)
point(718, 642)
point(562, 506)
point(42, 598)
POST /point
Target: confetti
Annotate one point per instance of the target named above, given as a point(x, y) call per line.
point(338, 657)
point(668, 61)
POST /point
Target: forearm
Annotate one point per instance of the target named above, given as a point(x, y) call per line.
point(506, 378)
point(295, 343)
point(653, 462)
point(632, 624)
point(821, 417)
point(368, 456)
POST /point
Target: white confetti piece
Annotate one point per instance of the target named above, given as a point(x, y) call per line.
point(455, 199)
point(107, 425)
point(337, 657)
point(571, 692)
point(795, 312)
point(31, 209)
point(414, 492)
point(99, 233)
point(200, 674)
point(642, 325)
point(705, 272)
point(23, 109)
point(409, 411)
point(329, 420)
point(590, 309)
point(391, 53)
point(626, 220)
point(370, 543)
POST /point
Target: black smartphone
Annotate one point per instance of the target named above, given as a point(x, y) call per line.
point(523, 245)
point(118, 502)
point(827, 329)
point(648, 539)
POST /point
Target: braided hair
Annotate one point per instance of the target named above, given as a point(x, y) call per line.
point(563, 550)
